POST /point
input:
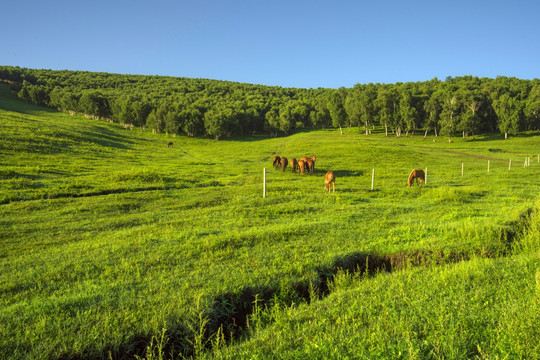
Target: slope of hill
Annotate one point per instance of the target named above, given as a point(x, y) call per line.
point(115, 245)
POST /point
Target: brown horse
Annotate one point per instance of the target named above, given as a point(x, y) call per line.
point(283, 163)
point(301, 166)
point(170, 144)
point(311, 166)
point(277, 161)
point(417, 174)
point(294, 164)
point(330, 180)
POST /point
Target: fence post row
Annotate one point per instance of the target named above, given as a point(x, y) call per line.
point(525, 164)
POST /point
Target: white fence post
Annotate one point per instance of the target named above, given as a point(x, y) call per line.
point(462, 166)
point(264, 182)
point(488, 166)
point(510, 164)
point(426, 175)
point(372, 179)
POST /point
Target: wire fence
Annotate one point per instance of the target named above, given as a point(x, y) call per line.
point(447, 172)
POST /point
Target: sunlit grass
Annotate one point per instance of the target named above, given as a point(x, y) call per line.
point(108, 236)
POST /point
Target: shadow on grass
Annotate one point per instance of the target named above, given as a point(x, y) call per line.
point(347, 173)
point(231, 314)
point(141, 346)
point(105, 137)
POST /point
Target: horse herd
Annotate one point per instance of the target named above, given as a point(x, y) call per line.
point(301, 166)
point(306, 164)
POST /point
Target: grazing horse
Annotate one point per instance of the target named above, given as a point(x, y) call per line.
point(417, 174)
point(301, 166)
point(294, 164)
point(170, 144)
point(283, 163)
point(277, 161)
point(311, 166)
point(330, 180)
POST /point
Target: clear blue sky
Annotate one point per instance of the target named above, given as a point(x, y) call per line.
point(305, 44)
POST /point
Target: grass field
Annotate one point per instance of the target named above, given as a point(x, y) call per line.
point(113, 245)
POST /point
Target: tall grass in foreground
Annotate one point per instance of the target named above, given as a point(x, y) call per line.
point(482, 308)
point(113, 245)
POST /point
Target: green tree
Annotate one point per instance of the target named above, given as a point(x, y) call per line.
point(272, 121)
point(300, 111)
point(36, 94)
point(470, 121)
point(508, 111)
point(407, 111)
point(353, 107)
point(156, 119)
point(55, 98)
point(191, 121)
point(368, 95)
point(172, 122)
point(433, 108)
point(388, 104)
point(320, 115)
point(337, 109)
point(94, 103)
point(140, 110)
point(449, 115)
point(532, 108)
point(217, 122)
point(286, 118)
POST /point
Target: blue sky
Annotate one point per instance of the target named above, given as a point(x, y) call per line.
point(305, 44)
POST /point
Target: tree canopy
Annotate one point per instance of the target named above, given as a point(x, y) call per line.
point(202, 107)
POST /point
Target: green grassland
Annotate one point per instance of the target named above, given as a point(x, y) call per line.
point(113, 245)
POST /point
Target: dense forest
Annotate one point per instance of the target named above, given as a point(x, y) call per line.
point(199, 107)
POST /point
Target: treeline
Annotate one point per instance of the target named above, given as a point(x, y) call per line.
point(199, 107)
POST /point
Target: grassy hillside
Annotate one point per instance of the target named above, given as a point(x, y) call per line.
point(479, 309)
point(114, 245)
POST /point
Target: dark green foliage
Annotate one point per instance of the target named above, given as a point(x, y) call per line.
point(202, 107)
